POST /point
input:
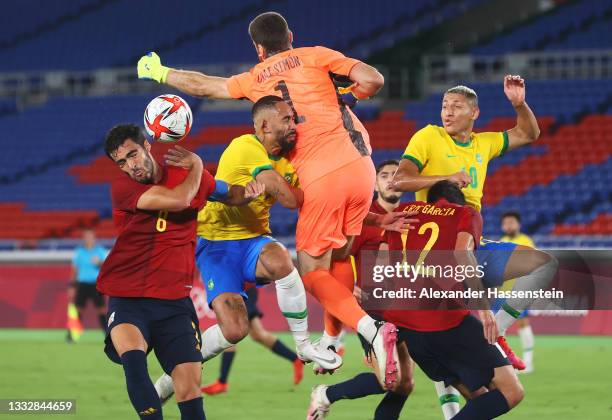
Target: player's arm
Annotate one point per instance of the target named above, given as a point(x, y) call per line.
point(367, 81)
point(395, 221)
point(236, 195)
point(526, 129)
point(286, 195)
point(190, 82)
point(179, 197)
point(408, 178)
point(464, 255)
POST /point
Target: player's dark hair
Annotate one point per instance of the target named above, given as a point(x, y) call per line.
point(512, 213)
point(385, 163)
point(120, 133)
point(271, 31)
point(265, 103)
point(447, 190)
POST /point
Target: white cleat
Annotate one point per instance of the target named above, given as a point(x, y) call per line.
point(324, 358)
point(319, 404)
point(384, 347)
point(164, 388)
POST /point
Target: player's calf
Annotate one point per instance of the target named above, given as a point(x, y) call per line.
point(232, 317)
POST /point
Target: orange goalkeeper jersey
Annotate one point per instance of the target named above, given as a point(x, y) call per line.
point(329, 135)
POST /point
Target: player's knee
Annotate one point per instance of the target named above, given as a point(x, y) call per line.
point(405, 386)
point(513, 394)
point(235, 331)
point(277, 261)
point(187, 390)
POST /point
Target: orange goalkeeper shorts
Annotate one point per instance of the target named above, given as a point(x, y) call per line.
point(335, 206)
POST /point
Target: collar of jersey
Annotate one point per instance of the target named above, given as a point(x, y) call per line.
point(269, 155)
point(460, 144)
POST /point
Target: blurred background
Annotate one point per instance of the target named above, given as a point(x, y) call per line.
point(68, 74)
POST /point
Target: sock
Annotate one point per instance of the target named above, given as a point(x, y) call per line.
point(390, 407)
point(528, 342)
point(343, 272)
point(449, 399)
point(227, 358)
point(367, 328)
point(329, 340)
point(335, 298)
point(192, 409)
point(291, 297)
point(102, 321)
point(139, 386)
point(283, 351)
point(484, 407)
point(360, 386)
point(539, 278)
point(213, 342)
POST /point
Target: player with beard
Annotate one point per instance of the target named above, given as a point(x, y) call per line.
point(235, 251)
point(149, 272)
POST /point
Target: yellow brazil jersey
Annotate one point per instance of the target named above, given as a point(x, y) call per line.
point(240, 163)
point(520, 239)
point(436, 153)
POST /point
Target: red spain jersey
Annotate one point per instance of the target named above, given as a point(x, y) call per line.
point(369, 240)
point(437, 230)
point(154, 255)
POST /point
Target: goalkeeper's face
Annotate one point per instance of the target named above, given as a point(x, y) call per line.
point(135, 160)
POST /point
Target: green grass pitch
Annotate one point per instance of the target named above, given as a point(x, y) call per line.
point(572, 381)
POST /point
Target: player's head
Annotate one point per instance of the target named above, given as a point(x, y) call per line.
point(445, 190)
point(270, 34)
point(89, 238)
point(384, 176)
point(274, 124)
point(127, 146)
point(511, 223)
point(459, 110)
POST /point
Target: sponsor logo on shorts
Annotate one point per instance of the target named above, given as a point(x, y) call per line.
point(210, 284)
point(111, 318)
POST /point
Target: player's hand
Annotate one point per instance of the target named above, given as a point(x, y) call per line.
point(397, 221)
point(347, 95)
point(460, 179)
point(254, 189)
point(182, 158)
point(514, 88)
point(489, 325)
point(150, 68)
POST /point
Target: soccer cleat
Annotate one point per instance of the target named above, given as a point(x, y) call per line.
point(324, 358)
point(385, 349)
point(164, 388)
point(319, 404)
point(215, 388)
point(298, 371)
point(516, 361)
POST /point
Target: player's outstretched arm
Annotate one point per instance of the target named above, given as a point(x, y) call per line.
point(190, 82)
point(367, 81)
point(408, 178)
point(179, 197)
point(237, 195)
point(285, 194)
point(526, 129)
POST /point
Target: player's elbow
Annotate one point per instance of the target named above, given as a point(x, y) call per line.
point(373, 82)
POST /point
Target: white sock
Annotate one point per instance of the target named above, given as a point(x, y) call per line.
point(164, 387)
point(512, 308)
point(528, 342)
point(449, 400)
point(367, 328)
point(291, 297)
point(329, 340)
point(213, 342)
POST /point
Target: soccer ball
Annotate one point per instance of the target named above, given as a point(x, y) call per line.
point(168, 118)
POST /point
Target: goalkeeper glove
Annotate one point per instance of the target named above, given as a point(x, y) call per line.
point(150, 68)
point(347, 96)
